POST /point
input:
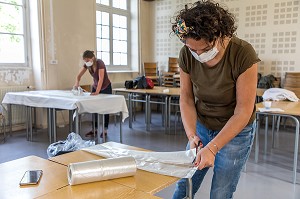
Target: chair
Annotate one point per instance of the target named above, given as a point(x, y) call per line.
point(86, 87)
point(151, 71)
point(292, 83)
point(171, 78)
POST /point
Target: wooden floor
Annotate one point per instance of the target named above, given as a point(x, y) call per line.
point(270, 178)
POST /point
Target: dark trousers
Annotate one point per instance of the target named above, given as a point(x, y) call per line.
point(107, 90)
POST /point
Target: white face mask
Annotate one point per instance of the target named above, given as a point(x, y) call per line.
point(206, 56)
point(89, 64)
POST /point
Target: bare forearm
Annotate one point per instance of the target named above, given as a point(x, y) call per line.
point(99, 86)
point(232, 128)
point(189, 116)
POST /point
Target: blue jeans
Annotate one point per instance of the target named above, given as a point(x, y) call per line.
point(229, 163)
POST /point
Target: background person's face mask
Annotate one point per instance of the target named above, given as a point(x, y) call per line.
point(89, 63)
point(206, 56)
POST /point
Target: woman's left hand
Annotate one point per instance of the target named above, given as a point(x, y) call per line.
point(94, 93)
point(205, 158)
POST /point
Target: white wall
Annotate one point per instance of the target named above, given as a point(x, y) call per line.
point(271, 26)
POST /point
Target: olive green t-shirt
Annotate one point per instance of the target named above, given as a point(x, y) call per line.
point(215, 87)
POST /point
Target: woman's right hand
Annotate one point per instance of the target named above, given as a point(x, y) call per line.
point(194, 140)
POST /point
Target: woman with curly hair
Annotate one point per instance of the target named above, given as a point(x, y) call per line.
point(218, 77)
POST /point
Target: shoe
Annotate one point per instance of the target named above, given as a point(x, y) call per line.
point(91, 134)
point(101, 136)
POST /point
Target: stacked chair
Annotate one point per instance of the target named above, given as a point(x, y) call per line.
point(292, 82)
point(171, 78)
point(151, 71)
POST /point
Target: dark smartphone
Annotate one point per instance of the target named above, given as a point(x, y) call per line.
point(31, 177)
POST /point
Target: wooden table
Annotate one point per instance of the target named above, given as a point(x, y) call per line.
point(103, 190)
point(54, 177)
point(291, 110)
point(145, 181)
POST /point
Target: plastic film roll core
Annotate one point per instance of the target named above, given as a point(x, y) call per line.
point(98, 170)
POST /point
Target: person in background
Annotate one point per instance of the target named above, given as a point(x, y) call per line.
point(218, 78)
point(102, 84)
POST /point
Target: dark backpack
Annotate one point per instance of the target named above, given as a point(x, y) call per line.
point(266, 81)
point(142, 82)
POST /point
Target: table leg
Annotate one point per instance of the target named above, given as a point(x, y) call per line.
point(266, 134)
point(273, 128)
point(34, 119)
point(169, 113)
point(70, 120)
point(54, 124)
point(295, 149)
point(120, 127)
point(98, 128)
point(166, 116)
point(103, 128)
point(9, 118)
point(130, 109)
point(257, 139)
point(49, 116)
point(147, 112)
point(94, 124)
point(76, 121)
point(189, 188)
point(30, 122)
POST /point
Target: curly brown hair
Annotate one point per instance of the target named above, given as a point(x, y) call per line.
point(205, 20)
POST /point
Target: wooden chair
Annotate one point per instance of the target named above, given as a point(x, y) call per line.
point(87, 87)
point(171, 78)
point(292, 82)
point(151, 71)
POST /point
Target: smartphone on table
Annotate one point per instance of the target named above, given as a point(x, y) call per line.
point(31, 177)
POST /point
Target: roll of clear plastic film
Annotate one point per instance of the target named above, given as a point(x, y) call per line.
point(98, 170)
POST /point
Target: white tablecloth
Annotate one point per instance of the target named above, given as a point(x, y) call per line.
point(101, 104)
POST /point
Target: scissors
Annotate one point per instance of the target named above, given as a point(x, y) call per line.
point(198, 147)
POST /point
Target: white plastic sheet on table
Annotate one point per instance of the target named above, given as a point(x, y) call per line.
point(176, 164)
point(62, 99)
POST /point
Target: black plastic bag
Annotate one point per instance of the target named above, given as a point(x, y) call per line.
point(128, 84)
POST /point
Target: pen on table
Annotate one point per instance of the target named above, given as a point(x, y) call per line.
point(197, 147)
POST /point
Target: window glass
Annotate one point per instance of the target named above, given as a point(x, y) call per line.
point(104, 2)
point(12, 49)
point(120, 4)
point(13, 46)
point(112, 32)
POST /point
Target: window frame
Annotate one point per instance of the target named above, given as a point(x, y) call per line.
point(111, 11)
point(26, 35)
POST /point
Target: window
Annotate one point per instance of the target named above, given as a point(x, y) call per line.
point(112, 26)
point(13, 33)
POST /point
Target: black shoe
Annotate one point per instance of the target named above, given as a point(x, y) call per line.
point(91, 134)
point(101, 136)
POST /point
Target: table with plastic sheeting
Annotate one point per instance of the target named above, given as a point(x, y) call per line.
point(144, 181)
point(288, 110)
point(66, 100)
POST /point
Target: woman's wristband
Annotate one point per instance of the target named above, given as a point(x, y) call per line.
point(215, 146)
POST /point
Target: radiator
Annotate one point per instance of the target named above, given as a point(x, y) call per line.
point(18, 112)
